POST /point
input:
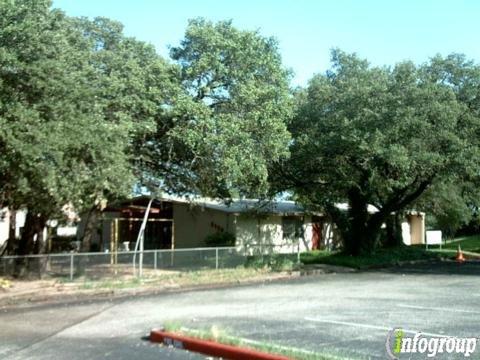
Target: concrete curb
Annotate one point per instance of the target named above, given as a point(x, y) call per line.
point(211, 348)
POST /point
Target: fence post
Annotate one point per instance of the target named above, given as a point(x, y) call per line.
point(298, 252)
point(155, 260)
point(216, 258)
point(71, 266)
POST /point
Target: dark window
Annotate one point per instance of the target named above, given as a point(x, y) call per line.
point(291, 228)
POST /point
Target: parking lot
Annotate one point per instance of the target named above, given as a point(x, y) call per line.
point(347, 315)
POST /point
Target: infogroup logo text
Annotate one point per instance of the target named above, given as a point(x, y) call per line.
point(433, 346)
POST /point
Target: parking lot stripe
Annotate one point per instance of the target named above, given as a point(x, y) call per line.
point(437, 309)
point(376, 327)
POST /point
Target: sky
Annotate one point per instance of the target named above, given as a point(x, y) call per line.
point(385, 32)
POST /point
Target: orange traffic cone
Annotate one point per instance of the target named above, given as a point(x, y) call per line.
point(460, 258)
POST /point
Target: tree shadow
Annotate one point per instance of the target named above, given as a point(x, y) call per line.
point(470, 267)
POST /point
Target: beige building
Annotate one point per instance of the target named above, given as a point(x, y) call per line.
point(258, 227)
point(413, 228)
point(5, 218)
point(180, 223)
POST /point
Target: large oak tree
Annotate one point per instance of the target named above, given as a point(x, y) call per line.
point(227, 124)
point(381, 136)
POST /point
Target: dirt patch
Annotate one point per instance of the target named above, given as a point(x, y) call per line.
point(24, 293)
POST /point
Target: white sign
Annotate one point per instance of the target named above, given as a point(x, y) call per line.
point(434, 237)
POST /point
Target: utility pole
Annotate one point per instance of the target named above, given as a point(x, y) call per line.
point(140, 241)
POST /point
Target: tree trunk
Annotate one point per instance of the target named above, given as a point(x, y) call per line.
point(40, 248)
point(40, 244)
point(357, 235)
point(90, 229)
point(394, 230)
point(26, 243)
point(360, 230)
point(34, 224)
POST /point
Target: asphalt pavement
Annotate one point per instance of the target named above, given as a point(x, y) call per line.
point(347, 315)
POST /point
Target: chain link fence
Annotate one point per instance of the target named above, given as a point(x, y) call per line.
point(116, 264)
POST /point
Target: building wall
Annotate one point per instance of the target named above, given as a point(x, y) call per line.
point(407, 238)
point(100, 238)
point(265, 235)
point(5, 223)
point(192, 224)
point(413, 229)
point(417, 229)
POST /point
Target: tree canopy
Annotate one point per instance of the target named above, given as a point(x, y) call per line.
point(227, 123)
point(86, 112)
point(381, 136)
point(55, 146)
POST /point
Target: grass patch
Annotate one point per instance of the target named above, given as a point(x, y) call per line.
point(178, 279)
point(111, 284)
point(467, 243)
point(452, 253)
point(382, 257)
point(225, 336)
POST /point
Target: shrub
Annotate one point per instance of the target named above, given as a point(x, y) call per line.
point(276, 262)
point(220, 239)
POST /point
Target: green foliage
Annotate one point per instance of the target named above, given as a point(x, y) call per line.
point(223, 238)
point(230, 120)
point(381, 136)
point(86, 112)
point(275, 262)
point(449, 206)
point(56, 144)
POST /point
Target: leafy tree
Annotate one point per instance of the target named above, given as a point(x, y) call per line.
point(133, 85)
point(227, 123)
point(86, 112)
point(450, 206)
point(56, 147)
point(381, 136)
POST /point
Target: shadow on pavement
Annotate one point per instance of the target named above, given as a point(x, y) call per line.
point(470, 267)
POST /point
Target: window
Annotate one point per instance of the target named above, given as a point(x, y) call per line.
point(291, 228)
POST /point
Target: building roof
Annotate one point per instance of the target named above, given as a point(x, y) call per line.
point(256, 206)
point(240, 206)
